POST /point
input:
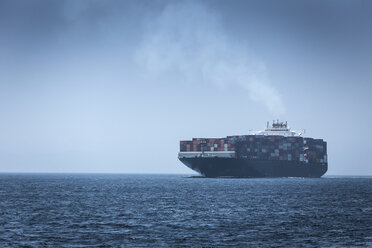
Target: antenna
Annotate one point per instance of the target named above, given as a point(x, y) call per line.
point(267, 125)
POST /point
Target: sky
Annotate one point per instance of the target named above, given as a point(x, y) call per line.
point(113, 86)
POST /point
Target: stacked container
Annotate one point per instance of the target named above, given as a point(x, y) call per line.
point(259, 147)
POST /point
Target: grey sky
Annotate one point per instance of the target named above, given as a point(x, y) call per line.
point(112, 86)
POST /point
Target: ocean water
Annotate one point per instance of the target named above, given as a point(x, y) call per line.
point(85, 210)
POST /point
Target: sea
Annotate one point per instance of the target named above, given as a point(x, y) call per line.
point(128, 210)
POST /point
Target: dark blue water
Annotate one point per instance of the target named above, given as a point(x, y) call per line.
point(176, 211)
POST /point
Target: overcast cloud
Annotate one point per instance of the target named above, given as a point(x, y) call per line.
point(112, 86)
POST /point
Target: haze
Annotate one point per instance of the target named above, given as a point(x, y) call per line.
point(113, 86)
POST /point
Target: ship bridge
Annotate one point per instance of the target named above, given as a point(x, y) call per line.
point(278, 128)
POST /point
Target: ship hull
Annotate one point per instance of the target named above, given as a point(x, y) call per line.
point(233, 167)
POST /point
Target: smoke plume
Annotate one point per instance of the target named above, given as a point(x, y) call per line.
point(187, 41)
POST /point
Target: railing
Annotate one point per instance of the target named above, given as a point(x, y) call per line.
point(207, 154)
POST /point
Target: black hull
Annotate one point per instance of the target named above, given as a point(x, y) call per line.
point(231, 167)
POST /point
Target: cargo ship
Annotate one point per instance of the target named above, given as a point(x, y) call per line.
point(276, 151)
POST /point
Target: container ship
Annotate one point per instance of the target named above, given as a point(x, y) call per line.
point(277, 151)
